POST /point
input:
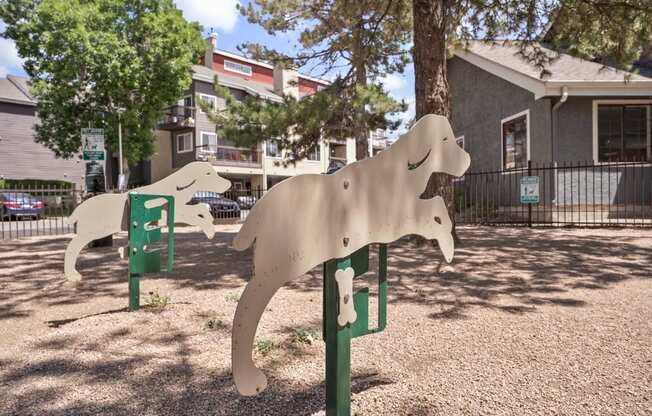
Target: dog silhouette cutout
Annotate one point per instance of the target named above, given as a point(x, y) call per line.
point(308, 219)
point(107, 214)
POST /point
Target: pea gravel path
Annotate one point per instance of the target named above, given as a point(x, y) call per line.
point(526, 322)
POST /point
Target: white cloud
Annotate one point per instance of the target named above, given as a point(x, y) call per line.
point(393, 82)
point(10, 62)
point(405, 117)
point(220, 14)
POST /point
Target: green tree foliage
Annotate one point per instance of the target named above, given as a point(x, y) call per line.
point(361, 39)
point(614, 33)
point(90, 59)
point(299, 125)
point(613, 30)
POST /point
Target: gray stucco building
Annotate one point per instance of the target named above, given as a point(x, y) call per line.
point(577, 121)
point(507, 111)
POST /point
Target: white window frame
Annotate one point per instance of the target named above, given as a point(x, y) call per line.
point(318, 155)
point(184, 136)
point(226, 68)
point(182, 101)
point(596, 103)
point(279, 150)
point(525, 113)
point(461, 138)
point(201, 136)
point(204, 97)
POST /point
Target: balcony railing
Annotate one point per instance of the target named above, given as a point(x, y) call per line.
point(230, 156)
point(177, 117)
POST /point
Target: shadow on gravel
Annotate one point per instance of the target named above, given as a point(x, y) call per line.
point(530, 267)
point(524, 268)
point(32, 272)
point(173, 383)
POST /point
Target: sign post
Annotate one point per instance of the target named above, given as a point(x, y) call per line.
point(142, 235)
point(337, 337)
point(529, 192)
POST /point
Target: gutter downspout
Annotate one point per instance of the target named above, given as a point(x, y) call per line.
point(553, 134)
point(554, 116)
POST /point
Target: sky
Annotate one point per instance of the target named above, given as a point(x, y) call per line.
point(233, 29)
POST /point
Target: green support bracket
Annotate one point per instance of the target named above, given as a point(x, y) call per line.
point(337, 338)
point(145, 231)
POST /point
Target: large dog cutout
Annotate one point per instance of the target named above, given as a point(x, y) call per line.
point(308, 219)
point(106, 214)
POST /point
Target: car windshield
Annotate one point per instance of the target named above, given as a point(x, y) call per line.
point(19, 196)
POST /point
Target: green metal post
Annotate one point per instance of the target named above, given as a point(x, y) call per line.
point(338, 346)
point(338, 339)
point(134, 292)
point(144, 233)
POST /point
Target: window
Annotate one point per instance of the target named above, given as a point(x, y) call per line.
point(272, 148)
point(210, 100)
point(460, 141)
point(516, 140)
point(184, 143)
point(207, 142)
point(623, 131)
point(237, 67)
point(315, 154)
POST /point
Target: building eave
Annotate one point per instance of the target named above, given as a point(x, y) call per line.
point(266, 65)
point(18, 102)
point(600, 88)
point(542, 88)
point(248, 90)
point(535, 86)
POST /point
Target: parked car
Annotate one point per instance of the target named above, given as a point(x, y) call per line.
point(246, 201)
point(219, 206)
point(20, 205)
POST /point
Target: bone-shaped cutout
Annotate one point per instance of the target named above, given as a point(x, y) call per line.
point(344, 279)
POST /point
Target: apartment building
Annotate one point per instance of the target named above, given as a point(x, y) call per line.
point(21, 157)
point(186, 134)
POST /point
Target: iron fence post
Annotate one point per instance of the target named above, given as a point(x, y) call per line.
point(529, 206)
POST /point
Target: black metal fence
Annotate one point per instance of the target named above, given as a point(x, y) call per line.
point(27, 211)
point(570, 194)
point(231, 206)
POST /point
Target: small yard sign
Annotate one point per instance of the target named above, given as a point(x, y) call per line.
point(92, 144)
point(530, 190)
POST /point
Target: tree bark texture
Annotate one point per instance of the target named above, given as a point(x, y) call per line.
point(431, 80)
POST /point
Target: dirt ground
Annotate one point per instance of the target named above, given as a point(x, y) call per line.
point(525, 322)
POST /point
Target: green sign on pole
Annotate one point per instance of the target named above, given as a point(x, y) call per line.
point(338, 338)
point(92, 144)
point(144, 232)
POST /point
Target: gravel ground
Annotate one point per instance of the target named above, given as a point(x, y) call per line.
point(525, 322)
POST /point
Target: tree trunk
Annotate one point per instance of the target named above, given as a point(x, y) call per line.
point(431, 80)
point(361, 132)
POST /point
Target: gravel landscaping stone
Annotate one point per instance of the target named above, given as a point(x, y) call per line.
point(524, 322)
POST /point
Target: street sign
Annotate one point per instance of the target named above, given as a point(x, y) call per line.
point(92, 144)
point(530, 190)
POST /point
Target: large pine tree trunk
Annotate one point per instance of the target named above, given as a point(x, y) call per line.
point(431, 80)
point(361, 132)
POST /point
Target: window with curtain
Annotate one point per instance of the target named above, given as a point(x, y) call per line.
point(514, 142)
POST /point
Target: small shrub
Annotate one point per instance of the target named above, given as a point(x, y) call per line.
point(215, 324)
point(231, 297)
point(264, 347)
point(304, 336)
point(156, 301)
